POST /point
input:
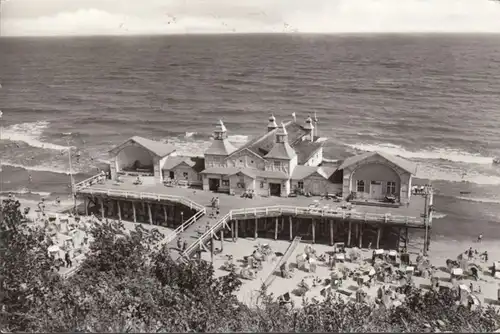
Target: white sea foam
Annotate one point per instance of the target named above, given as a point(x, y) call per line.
point(479, 199)
point(26, 191)
point(29, 133)
point(438, 215)
point(189, 134)
point(431, 154)
point(38, 168)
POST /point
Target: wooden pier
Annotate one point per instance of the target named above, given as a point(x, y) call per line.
point(187, 210)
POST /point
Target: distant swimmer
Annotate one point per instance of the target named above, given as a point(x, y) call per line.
point(58, 200)
point(30, 178)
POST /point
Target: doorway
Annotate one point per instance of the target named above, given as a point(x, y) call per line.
point(213, 184)
point(376, 190)
point(275, 189)
point(171, 175)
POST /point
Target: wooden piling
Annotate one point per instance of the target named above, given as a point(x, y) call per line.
point(360, 230)
point(119, 209)
point(212, 247)
point(134, 212)
point(399, 239)
point(150, 214)
point(313, 230)
point(331, 232)
point(222, 240)
point(236, 228)
point(406, 239)
point(291, 227)
point(102, 208)
point(379, 231)
point(255, 235)
point(276, 229)
point(349, 234)
point(232, 230)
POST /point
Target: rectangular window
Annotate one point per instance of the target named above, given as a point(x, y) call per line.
point(185, 174)
point(277, 165)
point(301, 184)
point(225, 183)
point(361, 186)
point(391, 188)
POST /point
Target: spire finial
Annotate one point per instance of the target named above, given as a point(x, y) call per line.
point(283, 128)
point(222, 127)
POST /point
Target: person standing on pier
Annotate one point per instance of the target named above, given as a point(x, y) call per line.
point(179, 242)
point(184, 245)
point(217, 203)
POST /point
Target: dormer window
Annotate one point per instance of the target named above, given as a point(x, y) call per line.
point(277, 165)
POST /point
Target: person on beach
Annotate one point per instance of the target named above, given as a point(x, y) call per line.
point(470, 253)
point(184, 246)
point(67, 258)
point(58, 200)
point(479, 238)
point(30, 178)
point(207, 227)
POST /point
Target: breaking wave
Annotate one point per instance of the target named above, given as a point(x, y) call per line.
point(479, 199)
point(26, 191)
point(432, 154)
point(30, 134)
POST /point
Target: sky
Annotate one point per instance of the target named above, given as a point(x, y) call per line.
point(128, 17)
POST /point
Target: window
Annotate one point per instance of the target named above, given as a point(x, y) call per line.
point(251, 161)
point(241, 160)
point(301, 184)
point(225, 183)
point(391, 188)
point(361, 186)
point(277, 165)
point(185, 175)
point(261, 185)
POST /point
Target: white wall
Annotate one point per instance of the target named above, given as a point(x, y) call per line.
point(316, 159)
point(245, 159)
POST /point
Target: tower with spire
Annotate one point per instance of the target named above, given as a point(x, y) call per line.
point(272, 124)
point(282, 154)
point(309, 127)
point(220, 148)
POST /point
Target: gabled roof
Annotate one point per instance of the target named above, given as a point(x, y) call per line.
point(302, 172)
point(306, 149)
point(220, 147)
point(404, 164)
point(281, 151)
point(271, 174)
point(196, 163)
point(158, 148)
point(262, 145)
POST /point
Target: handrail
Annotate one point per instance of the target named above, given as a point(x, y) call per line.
point(278, 209)
point(88, 182)
point(145, 195)
point(181, 228)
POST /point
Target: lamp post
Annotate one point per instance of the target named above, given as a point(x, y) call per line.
point(182, 221)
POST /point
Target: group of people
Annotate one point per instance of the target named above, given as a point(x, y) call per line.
point(181, 244)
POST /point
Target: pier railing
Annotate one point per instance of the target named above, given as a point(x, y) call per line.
point(89, 182)
point(270, 279)
point(181, 228)
point(144, 195)
point(296, 211)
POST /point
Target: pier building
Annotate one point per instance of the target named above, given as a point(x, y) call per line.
point(374, 204)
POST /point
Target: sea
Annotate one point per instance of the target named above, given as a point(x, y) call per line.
point(433, 99)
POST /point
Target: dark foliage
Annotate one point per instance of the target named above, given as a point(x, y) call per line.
point(121, 288)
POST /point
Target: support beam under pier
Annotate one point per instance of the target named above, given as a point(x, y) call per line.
point(291, 227)
point(331, 232)
point(276, 229)
point(134, 212)
point(255, 235)
point(118, 206)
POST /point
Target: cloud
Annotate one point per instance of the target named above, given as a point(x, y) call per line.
point(244, 16)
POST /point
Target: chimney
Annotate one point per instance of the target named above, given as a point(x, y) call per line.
point(272, 124)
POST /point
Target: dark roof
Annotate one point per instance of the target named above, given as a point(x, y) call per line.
point(220, 147)
point(262, 145)
point(281, 151)
point(247, 171)
point(306, 149)
point(302, 172)
point(158, 148)
point(197, 163)
point(408, 166)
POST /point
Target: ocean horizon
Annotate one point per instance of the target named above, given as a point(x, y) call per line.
point(430, 98)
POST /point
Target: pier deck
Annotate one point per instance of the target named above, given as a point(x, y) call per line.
point(235, 207)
